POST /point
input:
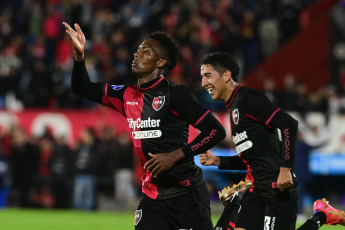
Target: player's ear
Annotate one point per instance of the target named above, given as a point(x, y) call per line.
point(227, 76)
point(161, 63)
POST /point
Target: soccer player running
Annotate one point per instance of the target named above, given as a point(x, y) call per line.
point(159, 112)
point(265, 138)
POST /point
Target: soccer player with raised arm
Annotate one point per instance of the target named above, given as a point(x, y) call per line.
point(159, 113)
point(265, 138)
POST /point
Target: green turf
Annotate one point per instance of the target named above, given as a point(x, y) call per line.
point(21, 219)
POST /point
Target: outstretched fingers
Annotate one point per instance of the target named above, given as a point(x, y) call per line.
point(77, 28)
point(71, 32)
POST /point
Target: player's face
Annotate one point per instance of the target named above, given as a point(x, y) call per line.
point(214, 83)
point(146, 58)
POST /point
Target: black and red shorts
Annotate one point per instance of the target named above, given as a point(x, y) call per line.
point(274, 213)
point(189, 211)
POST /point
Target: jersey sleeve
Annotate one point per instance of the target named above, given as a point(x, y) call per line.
point(81, 84)
point(288, 127)
point(188, 108)
point(184, 104)
point(113, 97)
point(258, 107)
point(102, 93)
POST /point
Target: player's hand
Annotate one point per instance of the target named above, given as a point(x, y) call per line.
point(77, 39)
point(161, 162)
point(207, 158)
point(284, 179)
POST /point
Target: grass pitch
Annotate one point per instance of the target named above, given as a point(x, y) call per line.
point(38, 219)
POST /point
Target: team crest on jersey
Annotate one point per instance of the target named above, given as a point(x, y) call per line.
point(117, 87)
point(137, 217)
point(158, 102)
point(235, 116)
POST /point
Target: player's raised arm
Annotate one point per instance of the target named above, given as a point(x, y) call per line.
point(80, 80)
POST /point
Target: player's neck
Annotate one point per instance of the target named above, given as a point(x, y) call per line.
point(231, 87)
point(149, 77)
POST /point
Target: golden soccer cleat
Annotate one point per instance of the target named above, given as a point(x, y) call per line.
point(227, 194)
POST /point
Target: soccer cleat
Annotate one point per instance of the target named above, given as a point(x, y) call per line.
point(228, 194)
point(334, 216)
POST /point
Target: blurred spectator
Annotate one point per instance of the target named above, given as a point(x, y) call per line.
point(269, 90)
point(23, 160)
point(35, 90)
point(52, 30)
point(61, 165)
point(123, 170)
point(288, 13)
point(10, 65)
point(44, 198)
point(87, 167)
point(317, 101)
point(3, 175)
point(250, 40)
point(288, 96)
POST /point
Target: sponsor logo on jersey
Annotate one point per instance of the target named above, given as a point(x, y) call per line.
point(148, 123)
point(244, 146)
point(139, 124)
point(239, 137)
point(137, 217)
point(117, 87)
point(146, 134)
point(158, 102)
point(235, 116)
point(132, 103)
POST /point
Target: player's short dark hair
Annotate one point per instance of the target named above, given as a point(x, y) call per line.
point(221, 62)
point(171, 49)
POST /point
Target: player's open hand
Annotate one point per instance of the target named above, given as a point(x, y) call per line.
point(77, 39)
point(207, 158)
point(161, 162)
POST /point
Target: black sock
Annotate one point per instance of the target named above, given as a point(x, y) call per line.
point(314, 222)
point(229, 216)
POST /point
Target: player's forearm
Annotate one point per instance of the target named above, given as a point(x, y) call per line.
point(80, 78)
point(81, 84)
point(289, 129)
point(212, 132)
point(232, 163)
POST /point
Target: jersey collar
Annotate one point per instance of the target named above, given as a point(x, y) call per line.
point(150, 84)
point(232, 97)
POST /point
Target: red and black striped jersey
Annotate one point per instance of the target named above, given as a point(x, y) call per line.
point(159, 114)
point(265, 138)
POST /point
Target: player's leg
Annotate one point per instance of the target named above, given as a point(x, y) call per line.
point(191, 210)
point(229, 215)
point(231, 199)
point(187, 211)
point(324, 213)
point(281, 211)
point(252, 212)
point(149, 216)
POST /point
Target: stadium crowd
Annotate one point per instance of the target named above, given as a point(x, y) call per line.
point(36, 58)
point(46, 172)
point(35, 69)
